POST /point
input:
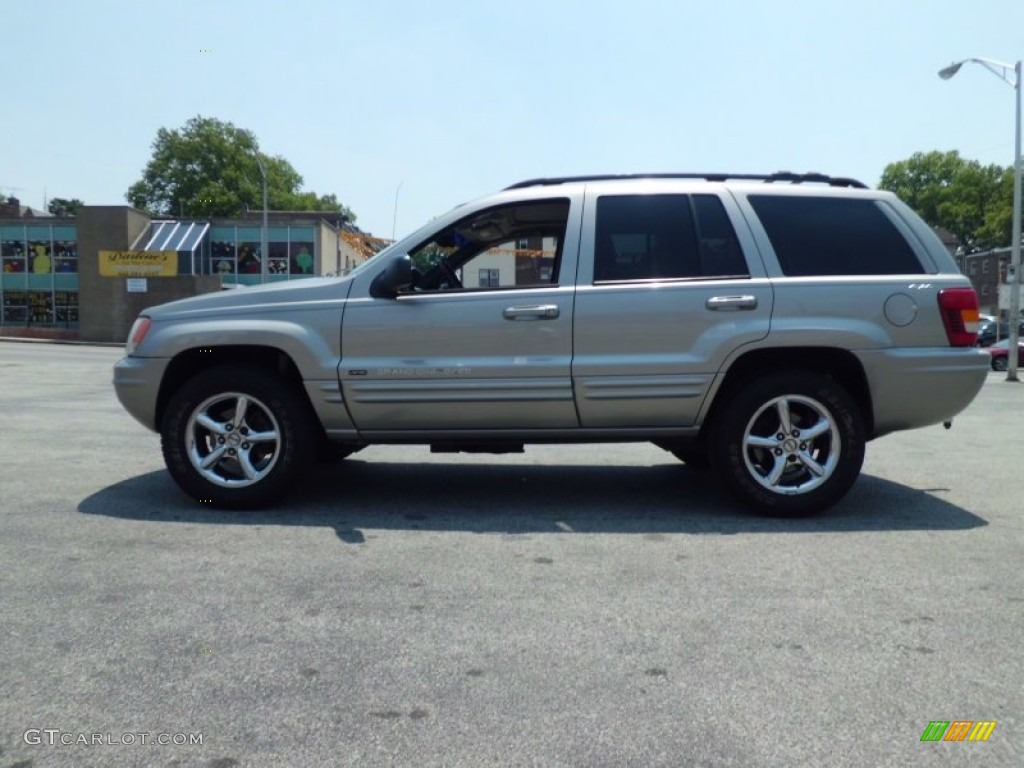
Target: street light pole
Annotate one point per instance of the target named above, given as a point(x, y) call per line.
point(264, 253)
point(1013, 274)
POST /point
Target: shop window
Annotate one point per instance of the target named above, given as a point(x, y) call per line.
point(249, 257)
point(222, 257)
point(66, 307)
point(65, 256)
point(13, 256)
point(40, 307)
point(39, 261)
point(278, 257)
point(302, 261)
point(15, 307)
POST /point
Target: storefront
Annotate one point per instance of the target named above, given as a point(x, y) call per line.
point(235, 252)
point(39, 281)
point(57, 271)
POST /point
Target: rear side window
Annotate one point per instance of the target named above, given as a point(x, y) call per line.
point(659, 237)
point(833, 236)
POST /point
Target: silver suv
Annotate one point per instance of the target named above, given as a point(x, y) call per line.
point(766, 327)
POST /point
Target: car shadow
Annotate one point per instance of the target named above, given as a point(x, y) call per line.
point(355, 495)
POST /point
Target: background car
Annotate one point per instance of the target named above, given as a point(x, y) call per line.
point(987, 332)
point(1000, 353)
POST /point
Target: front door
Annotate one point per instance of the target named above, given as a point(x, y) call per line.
point(483, 341)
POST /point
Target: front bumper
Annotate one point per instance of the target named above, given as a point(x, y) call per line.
point(137, 384)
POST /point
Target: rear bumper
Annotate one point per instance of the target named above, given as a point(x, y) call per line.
point(918, 387)
point(137, 385)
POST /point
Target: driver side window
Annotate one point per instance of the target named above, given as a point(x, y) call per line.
point(510, 246)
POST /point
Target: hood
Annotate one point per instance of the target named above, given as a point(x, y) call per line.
point(301, 291)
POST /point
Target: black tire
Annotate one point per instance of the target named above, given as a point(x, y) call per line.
point(1000, 363)
point(692, 456)
point(745, 441)
point(272, 408)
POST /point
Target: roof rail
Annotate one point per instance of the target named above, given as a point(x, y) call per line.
point(795, 178)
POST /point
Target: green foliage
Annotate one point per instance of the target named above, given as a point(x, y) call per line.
point(210, 168)
point(971, 200)
point(60, 206)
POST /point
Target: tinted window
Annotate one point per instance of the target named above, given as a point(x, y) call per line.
point(719, 249)
point(650, 237)
point(833, 236)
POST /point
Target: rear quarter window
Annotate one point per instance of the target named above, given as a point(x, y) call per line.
point(833, 236)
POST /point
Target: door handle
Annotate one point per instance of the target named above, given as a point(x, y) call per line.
point(535, 312)
point(731, 303)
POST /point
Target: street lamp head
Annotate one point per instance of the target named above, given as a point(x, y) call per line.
point(947, 72)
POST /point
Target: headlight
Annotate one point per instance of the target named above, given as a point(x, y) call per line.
point(138, 332)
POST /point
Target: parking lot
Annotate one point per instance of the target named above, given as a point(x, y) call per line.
point(573, 605)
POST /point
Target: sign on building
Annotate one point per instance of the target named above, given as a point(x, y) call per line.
point(138, 263)
point(1004, 295)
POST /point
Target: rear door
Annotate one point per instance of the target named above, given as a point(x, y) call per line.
point(665, 295)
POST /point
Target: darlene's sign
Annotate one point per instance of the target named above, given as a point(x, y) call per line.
point(138, 263)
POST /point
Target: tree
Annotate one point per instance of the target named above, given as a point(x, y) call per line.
point(210, 168)
point(971, 200)
point(60, 206)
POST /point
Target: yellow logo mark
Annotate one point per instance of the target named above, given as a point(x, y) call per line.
point(206, 50)
point(982, 730)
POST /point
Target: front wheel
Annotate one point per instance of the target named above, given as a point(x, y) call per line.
point(999, 364)
point(237, 437)
point(789, 444)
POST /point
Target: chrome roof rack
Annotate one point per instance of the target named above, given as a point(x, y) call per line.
point(794, 178)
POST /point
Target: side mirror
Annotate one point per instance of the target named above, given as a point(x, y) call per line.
point(396, 277)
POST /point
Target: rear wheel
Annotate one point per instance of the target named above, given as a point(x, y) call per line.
point(789, 444)
point(237, 437)
point(999, 364)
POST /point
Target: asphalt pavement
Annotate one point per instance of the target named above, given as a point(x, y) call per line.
point(594, 605)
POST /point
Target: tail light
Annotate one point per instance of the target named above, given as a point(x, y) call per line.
point(959, 308)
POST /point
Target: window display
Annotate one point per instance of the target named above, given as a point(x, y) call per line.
point(66, 256)
point(40, 305)
point(39, 277)
point(222, 257)
point(39, 254)
point(66, 307)
point(12, 253)
point(15, 307)
point(302, 258)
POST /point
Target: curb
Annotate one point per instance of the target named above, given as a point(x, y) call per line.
point(70, 342)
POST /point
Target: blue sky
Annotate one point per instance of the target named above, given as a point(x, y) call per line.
point(453, 100)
